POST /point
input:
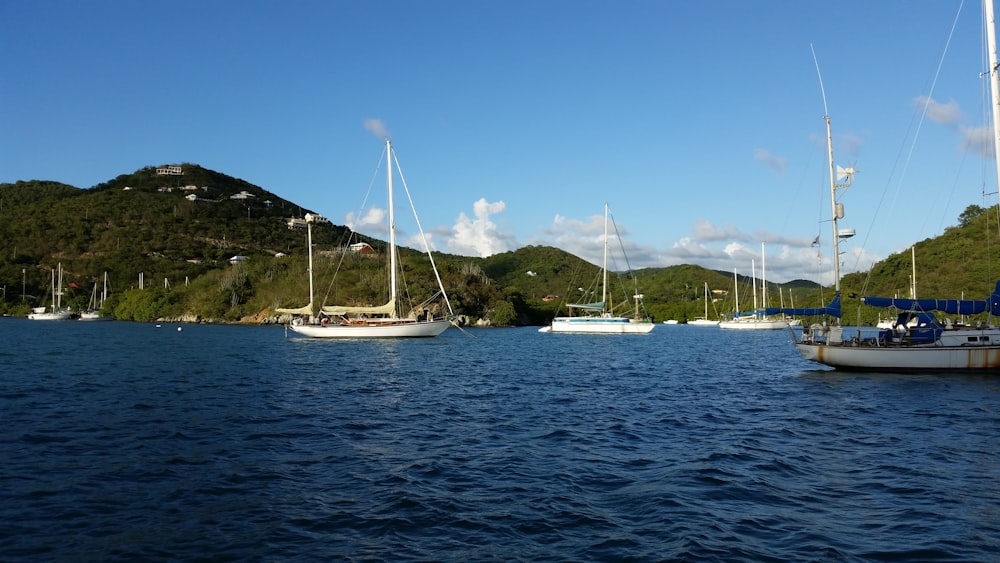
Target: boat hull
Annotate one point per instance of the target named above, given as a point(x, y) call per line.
point(902, 358)
point(744, 324)
point(588, 325)
point(387, 330)
point(50, 316)
point(86, 316)
point(703, 322)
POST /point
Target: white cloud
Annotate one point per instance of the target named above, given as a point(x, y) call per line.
point(944, 113)
point(777, 164)
point(479, 236)
point(371, 223)
point(377, 128)
point(978, 140)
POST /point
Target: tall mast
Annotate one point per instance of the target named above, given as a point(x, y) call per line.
point(833, 206)
point(706, 300)
point(604, 280)
point(991, 43)
point(763, 278)
point(736, 289)
point(392, 230)
point(309, 241)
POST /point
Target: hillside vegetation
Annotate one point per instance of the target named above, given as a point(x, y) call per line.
point(177, 235)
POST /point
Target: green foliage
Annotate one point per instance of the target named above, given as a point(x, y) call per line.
point(969, 215)
point(503, 313)
point(142, 223)
point(142, 305)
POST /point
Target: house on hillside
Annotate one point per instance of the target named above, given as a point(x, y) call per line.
point(362, 248)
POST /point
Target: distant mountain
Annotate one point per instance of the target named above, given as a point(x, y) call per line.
point(177, 233)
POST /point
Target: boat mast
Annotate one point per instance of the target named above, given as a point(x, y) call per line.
point(59, 292)
point(736, 289)
point(991, 43)
point(309, 242)
point(833, 205)
point(763, 277)
point(706, 301)
point(392, 230)
point(604, 280)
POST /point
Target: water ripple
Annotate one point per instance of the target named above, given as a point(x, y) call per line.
point(242, 444)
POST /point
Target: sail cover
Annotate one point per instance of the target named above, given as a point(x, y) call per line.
point(387, 309)
point(306, 310)
point(599, 306)
point(833, 309)
point(949, 306)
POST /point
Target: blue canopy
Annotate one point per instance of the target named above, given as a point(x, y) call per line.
point(949, 306)
point(833, 309)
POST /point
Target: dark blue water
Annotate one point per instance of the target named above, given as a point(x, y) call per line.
point(131, 441)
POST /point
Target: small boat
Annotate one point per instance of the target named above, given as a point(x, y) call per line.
point(56, 312)
point(599, 317)
point(918, 340)
point(93, 310)
point(759, 319)
point(377, 321)
point(704, 321)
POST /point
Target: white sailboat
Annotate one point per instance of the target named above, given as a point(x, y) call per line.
point(93, 310)
point(929, 344)
point(55, 312)
point(758, 320)
point(379, 321)
point(599, 317)
point(704, 321)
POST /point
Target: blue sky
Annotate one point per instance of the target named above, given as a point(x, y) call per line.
point(700, 123)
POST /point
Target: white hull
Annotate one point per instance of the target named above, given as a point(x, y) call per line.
point(371, 321)
point(50, 316)
point(754, 324)
point(92, 316)
point(903, 358)
point(384, 330)
point(597, 325)
point(703, 322)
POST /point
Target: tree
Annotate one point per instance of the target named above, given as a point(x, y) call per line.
point(971, 213)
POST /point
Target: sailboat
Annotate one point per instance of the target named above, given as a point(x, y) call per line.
point(704, 321)
point(919, 341)
point(599, 317)
point(56, 312)
point(759, 319)
point(93, 310)
point(378, 321)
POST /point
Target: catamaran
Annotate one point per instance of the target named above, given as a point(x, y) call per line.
point(599, 317)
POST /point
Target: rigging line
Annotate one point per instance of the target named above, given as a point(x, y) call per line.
point(352, 234)
point(423, 237)
point(927, 101)
point(986, 91)
point(821, 88)
point(909, 155)
point(628, 266)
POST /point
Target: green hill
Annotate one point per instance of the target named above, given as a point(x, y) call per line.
point(177, 233)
